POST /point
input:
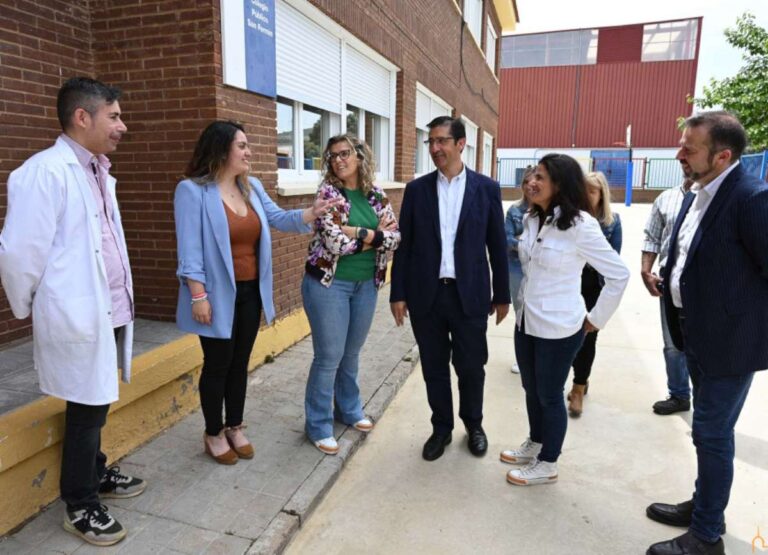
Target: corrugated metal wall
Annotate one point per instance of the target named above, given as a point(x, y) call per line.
point(590, 106)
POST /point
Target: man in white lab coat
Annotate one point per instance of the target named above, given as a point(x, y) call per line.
point(63, 259)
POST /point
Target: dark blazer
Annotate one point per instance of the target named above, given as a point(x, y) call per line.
point(724, 285)
point(416, 265)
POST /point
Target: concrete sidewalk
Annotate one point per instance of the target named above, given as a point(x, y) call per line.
point(617, 458)
point(193, 505)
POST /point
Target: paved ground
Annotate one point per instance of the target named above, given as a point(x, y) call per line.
point(193, 505)
point(617, 459)
point(19, 384)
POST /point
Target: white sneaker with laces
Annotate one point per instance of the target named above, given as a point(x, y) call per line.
point(526, 453)
point(537, 472)
point(328, 445)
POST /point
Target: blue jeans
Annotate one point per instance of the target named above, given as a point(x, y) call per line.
point(515, 279)
point(677, 370)
point(717, 403)
point(544, 366)
point(340, 317)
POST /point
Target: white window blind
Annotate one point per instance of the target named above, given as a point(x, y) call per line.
point(470, 149)
point(490, 45)
point(428, 107)
point(487, 154)
point(423, 110)
point(366, 83)
point(473, 15)
point(308, 60)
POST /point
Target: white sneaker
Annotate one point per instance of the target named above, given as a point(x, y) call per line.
point(526, 453)
point(537, 472)
point(328, 445)
point(364, 425)
point(515, 369)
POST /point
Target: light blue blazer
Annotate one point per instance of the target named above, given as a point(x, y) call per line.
point(205, 254)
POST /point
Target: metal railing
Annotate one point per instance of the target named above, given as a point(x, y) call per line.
point(648, 173)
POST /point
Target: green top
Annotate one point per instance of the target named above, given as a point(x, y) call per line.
point(362, 265)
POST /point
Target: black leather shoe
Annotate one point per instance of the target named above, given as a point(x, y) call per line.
point(673, 515)
point(671, 406)
point(477, 441)
point(687, 544)
point(435, 446)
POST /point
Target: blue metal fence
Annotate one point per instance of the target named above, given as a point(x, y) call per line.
point(649, 173)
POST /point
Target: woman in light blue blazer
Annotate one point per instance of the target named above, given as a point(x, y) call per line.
point(224, 249)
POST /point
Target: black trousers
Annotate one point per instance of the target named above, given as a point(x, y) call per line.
point(590, 290)
point(83, 464)
point(224, 376)
point(446, 334)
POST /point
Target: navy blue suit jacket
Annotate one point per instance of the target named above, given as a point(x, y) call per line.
point(724, 284)
point(416, 265)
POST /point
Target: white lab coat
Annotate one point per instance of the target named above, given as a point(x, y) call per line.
point(51, 266)
point(552, 261)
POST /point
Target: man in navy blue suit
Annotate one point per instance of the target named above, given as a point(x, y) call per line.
point(449, 220)
point(716, 301)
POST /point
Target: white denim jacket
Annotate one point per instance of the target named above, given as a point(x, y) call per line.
point(552, 261)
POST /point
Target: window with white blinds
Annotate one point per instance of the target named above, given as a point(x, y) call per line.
point(308, 60)
point(469, 155)
point(366, 83)
point(487, 154)
point(428, 107)
point(490, 45)
point(473, 15)
point(328, 76)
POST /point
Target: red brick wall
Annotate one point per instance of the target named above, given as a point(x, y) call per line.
point(161, 53)
point(39, 43)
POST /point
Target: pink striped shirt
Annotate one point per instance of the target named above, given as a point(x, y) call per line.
point(115, 259)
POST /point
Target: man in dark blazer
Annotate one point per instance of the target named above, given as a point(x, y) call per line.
point(716, 300)
point(449, 220)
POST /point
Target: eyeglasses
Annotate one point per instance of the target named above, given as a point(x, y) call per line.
point(341, 155)
point(442, 141)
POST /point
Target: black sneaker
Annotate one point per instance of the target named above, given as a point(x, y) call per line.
point(95, 525)
point(119, 486)
point(671, 406)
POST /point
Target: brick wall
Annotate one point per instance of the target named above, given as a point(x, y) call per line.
point(161, 53)
point(39, 43)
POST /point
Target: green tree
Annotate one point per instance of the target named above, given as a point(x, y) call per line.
point(746, 93)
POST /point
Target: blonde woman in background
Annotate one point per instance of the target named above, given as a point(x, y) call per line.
point(591, 284)
point(513, 226)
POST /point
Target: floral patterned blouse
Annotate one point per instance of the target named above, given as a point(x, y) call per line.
point(329, 242)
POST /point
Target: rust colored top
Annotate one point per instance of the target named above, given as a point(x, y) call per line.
point(244, 234)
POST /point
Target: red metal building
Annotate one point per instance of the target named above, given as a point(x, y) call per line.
point(581, 88)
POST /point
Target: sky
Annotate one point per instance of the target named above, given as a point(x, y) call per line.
point(716, 57)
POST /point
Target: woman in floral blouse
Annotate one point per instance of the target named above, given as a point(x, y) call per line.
point(346, 265)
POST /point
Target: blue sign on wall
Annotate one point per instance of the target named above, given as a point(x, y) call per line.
point(261, 75)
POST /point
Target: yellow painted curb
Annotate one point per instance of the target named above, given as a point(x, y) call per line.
point(163, 389)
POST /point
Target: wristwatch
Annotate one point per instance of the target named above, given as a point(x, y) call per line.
point(362, 233)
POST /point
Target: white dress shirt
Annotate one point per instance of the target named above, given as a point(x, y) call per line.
point(704, 196)
point(552, 261)
point(450, 197)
